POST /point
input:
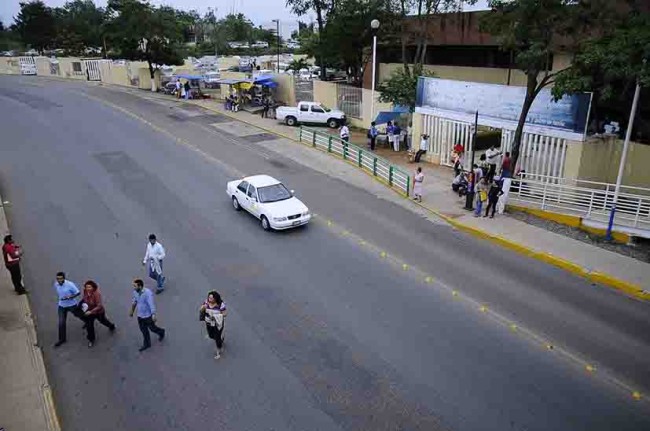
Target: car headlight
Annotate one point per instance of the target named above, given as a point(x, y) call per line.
point(305, 214)
point(279, 219)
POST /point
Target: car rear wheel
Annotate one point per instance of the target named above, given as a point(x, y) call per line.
point(291, 121)
point(333, 123)
point(235, 204)
point(265, 223)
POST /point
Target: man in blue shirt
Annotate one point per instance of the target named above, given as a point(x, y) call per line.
point(145, 310)
point(68, 295)
point(372, 135)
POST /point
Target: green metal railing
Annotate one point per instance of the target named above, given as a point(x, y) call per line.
point(392, 175)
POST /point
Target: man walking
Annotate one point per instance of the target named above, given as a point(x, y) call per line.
point(154, 258)
point(69, 295)
point(11, 254)
point(145, 310)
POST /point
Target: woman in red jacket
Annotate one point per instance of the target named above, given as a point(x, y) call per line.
point(93, 308)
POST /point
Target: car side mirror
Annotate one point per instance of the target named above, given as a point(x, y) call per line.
point(293, 192)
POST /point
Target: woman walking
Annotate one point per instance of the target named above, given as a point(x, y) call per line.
point(417, 185)
point(93, 309)
point(213, 312)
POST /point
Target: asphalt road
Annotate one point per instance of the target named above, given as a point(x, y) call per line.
point(323, 333)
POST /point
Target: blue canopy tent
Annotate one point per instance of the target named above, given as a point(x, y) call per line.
point(265, 80)
point(386, 116)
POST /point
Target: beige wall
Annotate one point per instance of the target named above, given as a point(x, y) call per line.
point(325, 93)
point(600, 159)
point(9, 66)
point(285, 91)
point(42, 66)
point(477, 74)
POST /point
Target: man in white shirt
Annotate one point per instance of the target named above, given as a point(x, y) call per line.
point(178, 89)
point(154, 258)
point(424, 146)
point(344, 133)
point(492, 158)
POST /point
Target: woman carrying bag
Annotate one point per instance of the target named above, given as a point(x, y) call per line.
point(212, 312)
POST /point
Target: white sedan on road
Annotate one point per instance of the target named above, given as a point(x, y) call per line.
point(268, 200)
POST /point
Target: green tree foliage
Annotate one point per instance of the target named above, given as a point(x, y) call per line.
point(531, 30)
point(401, 88)
point(139, 31)
point(610, 65)
point(296, 65)
point(36, 25)
point(79, 26)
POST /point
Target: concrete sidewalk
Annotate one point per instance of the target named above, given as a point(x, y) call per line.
point(627, 274)
point(25, 396)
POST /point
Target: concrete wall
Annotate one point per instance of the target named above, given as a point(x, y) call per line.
point(325, 93)
point(600, 159)
point(285, 92)
point(478, 74)
point(9, 66)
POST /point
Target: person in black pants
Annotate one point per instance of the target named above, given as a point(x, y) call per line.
point(11, 253)
point(493, 197)
point(93, 309)
point(144, 307)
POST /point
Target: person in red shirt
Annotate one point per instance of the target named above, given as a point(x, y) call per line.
point(11, 254)
point(506, 169)
point(92, 307)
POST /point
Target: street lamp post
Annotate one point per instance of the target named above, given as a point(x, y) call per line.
point(374, 25)
point(277, 33)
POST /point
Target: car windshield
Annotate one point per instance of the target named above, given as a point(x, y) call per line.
point(274, 193)
point(325, 108)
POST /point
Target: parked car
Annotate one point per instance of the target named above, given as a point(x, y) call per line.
point(269, 201)
point(310, 113)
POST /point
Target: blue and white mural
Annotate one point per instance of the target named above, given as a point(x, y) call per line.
point(500, 106)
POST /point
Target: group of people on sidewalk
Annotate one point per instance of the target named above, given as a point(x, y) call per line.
point(88, 305)
point(394, 136)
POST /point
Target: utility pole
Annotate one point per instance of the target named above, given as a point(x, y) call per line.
point(277, 33)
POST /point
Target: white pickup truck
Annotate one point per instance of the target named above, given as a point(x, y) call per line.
point(310, 112)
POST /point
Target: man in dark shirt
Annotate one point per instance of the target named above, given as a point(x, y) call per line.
point(506, 169)
point(11, 254)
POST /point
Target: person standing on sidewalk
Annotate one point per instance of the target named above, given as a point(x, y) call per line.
point(481, 196)
point(506, 168)
point(424, 146)
point(154, 258)
point(69, 295)
point(389, 133)
point(397, 135)
point(372, 135)
point(145, 309)
point(344, 133)
point(93, 309)
point(213, 311)
point(492, 155)
point(11, 253)
point(418, 179)
point(177, 86)
point(493, 196)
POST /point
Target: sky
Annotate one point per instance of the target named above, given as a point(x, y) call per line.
point(261, 12)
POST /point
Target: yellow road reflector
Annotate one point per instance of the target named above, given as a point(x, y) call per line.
point(590, 368)
point(383, 254)
point(428, 279)
point(405, 267)
point(454, 293)
point(636, 395)
point(549, 346)
point(513, 327)
point(483, 308)
point(362, 242)
point(329, 222)
point(345, 233)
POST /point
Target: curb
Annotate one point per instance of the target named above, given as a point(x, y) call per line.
point(593, 276)
point(38, 362)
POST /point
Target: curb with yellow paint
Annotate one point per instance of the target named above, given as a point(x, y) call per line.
point(572, 267)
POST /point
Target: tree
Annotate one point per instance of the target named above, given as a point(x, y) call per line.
point(610, 65)
point(531, 30)
point(138, 31)
point(79, 26)
point(297, 65)
point(36, 25)
point(401, 88)
point(322, 8)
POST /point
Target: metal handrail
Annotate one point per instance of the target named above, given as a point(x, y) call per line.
point(594, 203)
point(392, 175)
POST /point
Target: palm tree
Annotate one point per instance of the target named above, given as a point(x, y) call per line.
point(296, 65)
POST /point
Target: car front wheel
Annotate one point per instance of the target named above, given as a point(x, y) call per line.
point(291, 121)
point(333, 123)
point(265, 223)
point(235, 204)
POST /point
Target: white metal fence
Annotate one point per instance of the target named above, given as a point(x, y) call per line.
point(588, 199)
point(538, 154)
point(394, 176)
point(349, 99)
point(444, 134)
point(27, 65)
